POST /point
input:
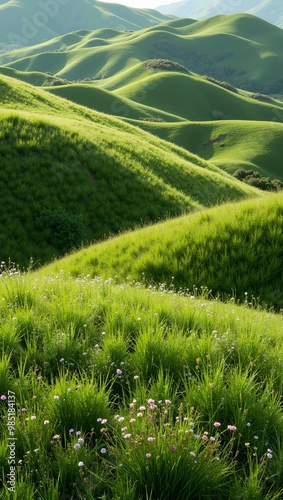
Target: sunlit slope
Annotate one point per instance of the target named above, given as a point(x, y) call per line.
point(235, 249)
point(241, 49)
point(229, 144)
point(194, 98)
point(30, 21)
point(107, 102)
point(71, 175)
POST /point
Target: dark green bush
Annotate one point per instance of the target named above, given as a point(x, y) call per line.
point(64, 230)
point(255, 179)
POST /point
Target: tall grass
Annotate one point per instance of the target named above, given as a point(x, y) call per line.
point(234, 251)
point(151, 394)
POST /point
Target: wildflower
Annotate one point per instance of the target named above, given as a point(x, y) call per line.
point(61, 360)
point(248, 424)
point(104, 421)
point(173, 448)
point(46, 422)
point(118, 371)
point(57, 436)
point(204, 438)
point(140, 414)
point(71, 430)
point(127, 436)
point(103, 333)
point(212, 439)
point(136, 377)
point(142, 408)
point(81, 464)
point(232, 428)
point(36, 450)
point(132, 405)
point(151, 401)
point(56, 398)
point(78, 433)
point(151, 439)
point(121, 419)
point(167, 402)
point(216, 424)
point(124, 429)
point(192, 453)
point(148, 455)
point(269, 455)
point(81, 441)
point(24, 409)
point(132, 421)
point(103, 451)
point(77, 446)
point(255, 437)
point(247, 444)
point(99, 420)
point(3, 397)
point(33, 417)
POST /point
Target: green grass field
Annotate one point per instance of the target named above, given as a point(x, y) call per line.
point(125, 393)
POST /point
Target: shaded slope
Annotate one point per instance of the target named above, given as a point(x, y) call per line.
point(234, 250)
point(67, 171)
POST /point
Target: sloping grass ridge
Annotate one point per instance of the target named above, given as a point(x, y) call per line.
point(233, 250)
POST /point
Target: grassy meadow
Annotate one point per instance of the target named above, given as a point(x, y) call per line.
point(141, 288)
point(123, 392)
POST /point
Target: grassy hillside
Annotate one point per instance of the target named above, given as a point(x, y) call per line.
point(72, 175)
point(229, 144)
point(196, 98)
point(26, 22)
point(240, 49)
point(233, 250)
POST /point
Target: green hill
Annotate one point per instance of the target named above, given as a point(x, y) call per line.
point(233, 250)
point(241, 49)
point(26, 22)
point(72, 175)
point(229, 144)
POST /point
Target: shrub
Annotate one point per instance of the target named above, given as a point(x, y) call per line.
point(64, 230)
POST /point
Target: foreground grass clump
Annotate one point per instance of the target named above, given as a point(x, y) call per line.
point(233, 250)
point(123, 392)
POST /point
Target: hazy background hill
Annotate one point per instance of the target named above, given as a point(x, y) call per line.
point(269, 10)
point(26, 22)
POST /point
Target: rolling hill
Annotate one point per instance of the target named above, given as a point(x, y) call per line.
point(72, 175)
point(252, 58)
point(26, 22)
point(269, 10)
point(233, 250)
